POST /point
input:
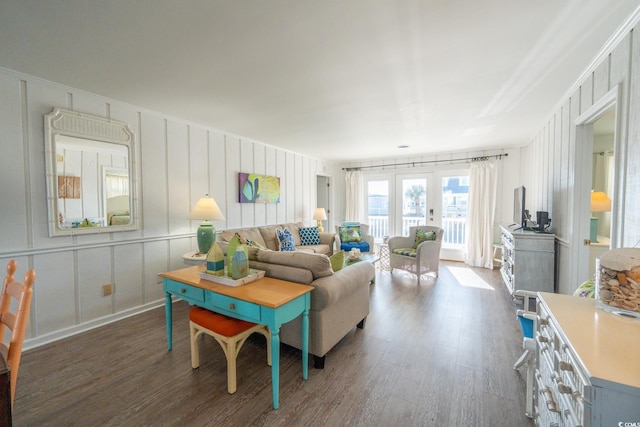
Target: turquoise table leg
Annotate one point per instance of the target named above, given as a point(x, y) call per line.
point(305, 344)
point(169, 318)
point(275, 365)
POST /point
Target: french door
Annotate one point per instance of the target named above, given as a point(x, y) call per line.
point(397, 202)
point(416, 202)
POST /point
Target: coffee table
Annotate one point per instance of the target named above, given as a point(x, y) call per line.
point(366, 257)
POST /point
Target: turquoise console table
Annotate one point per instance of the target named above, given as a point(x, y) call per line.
point(267, 301)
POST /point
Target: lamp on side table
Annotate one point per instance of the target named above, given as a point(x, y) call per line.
point(207, 210)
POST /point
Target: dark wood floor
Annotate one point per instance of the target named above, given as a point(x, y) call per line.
point(438, 354)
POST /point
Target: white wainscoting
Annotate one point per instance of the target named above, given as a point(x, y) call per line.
point(177, 163)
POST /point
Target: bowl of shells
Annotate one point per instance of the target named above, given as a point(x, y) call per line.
point(618, 281)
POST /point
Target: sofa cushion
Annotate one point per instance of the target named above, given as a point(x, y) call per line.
point(246, 234)
point(319, 265)
point(294, 228)
point(309, 236)
point(268, 233)
point(285, 240)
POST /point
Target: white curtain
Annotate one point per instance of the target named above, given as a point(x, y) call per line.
point(482, 206)
point(354, 209)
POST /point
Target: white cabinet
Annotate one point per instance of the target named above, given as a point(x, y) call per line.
point(528, 260)
point(587, 370)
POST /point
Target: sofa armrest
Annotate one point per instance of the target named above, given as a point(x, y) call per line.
point(328, 239)
point(327, 290)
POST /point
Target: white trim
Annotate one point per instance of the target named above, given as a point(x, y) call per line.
point(613, 41)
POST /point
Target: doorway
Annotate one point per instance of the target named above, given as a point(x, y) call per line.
point(597, 123)
point(323, 199)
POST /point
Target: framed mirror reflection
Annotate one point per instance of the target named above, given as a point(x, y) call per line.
point(90, 174)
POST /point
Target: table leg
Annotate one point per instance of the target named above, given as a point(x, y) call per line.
point(275, 365)
point(168, 313)
point(305, 344)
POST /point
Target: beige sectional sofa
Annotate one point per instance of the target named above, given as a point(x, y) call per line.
point(339, 300)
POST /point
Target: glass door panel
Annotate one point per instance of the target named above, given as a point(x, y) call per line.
point(378, 208)
point(455, 200)
point(414, 196)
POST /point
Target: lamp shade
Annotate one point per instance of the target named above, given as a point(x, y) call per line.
point(600, 202)
point(319, 214)
point(207, 210)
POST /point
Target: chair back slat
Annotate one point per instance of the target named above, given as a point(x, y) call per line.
point(16, 320)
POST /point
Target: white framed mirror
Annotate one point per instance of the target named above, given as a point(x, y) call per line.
point(90, 174)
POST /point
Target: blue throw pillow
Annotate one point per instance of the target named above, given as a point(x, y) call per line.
point(285, 240)
point(309, 236)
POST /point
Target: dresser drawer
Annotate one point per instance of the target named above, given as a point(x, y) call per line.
point(234, 307)
point(184, 291)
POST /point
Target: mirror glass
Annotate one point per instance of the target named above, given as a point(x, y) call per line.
point(89, 174)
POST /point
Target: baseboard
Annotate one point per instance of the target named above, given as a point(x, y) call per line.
point(87, 326)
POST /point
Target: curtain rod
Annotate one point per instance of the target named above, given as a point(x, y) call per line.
point(413, 164)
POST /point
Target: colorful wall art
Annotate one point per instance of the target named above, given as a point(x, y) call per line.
point(258, 188)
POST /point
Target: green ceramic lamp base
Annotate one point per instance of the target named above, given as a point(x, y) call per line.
point(206, 236)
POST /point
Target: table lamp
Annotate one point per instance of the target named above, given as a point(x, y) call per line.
point(600, 202)
point(207, 210)
point(319, 215)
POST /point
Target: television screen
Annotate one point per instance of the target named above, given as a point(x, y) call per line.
point(518, 206)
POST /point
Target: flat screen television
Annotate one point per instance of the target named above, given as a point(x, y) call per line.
point(519, 216)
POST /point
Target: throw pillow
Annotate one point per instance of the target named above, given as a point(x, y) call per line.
point(423, 236)
point(337, 261)
point(285, 240)
point(309, 236)
point(350, 234)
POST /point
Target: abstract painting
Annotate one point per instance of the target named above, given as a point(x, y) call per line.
point(258, 188)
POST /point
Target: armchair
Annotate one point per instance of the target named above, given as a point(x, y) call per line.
point(415, 256)
point(365, 244)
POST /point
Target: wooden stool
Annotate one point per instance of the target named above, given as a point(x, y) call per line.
point(497, 258)
point(229, 332)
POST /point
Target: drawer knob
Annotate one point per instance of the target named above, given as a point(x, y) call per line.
point(232, 306)
point(566, 366)
point(183, 290)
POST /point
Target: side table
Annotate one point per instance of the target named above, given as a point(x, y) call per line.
point(194, 258)
point(383, 253)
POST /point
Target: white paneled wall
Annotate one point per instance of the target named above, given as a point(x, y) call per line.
point(176, 163)
point(552, 160)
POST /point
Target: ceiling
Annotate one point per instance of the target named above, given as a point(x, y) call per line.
point(338, 80)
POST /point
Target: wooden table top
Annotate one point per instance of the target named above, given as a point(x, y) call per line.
point(607, 344)
point(267, 292)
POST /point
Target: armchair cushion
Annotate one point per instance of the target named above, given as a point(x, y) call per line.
point(350, 234)
point(423, 236)
point(363, 246)
point(405, 251)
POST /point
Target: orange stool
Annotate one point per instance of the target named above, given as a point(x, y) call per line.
point(229, 332)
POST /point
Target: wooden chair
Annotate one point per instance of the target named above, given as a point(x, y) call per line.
point(229, 332)
point(420, 259)
point(15, 320)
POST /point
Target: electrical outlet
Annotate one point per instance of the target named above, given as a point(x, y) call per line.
point(107, 290)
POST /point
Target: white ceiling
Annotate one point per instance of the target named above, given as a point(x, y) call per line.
point(331, 79)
